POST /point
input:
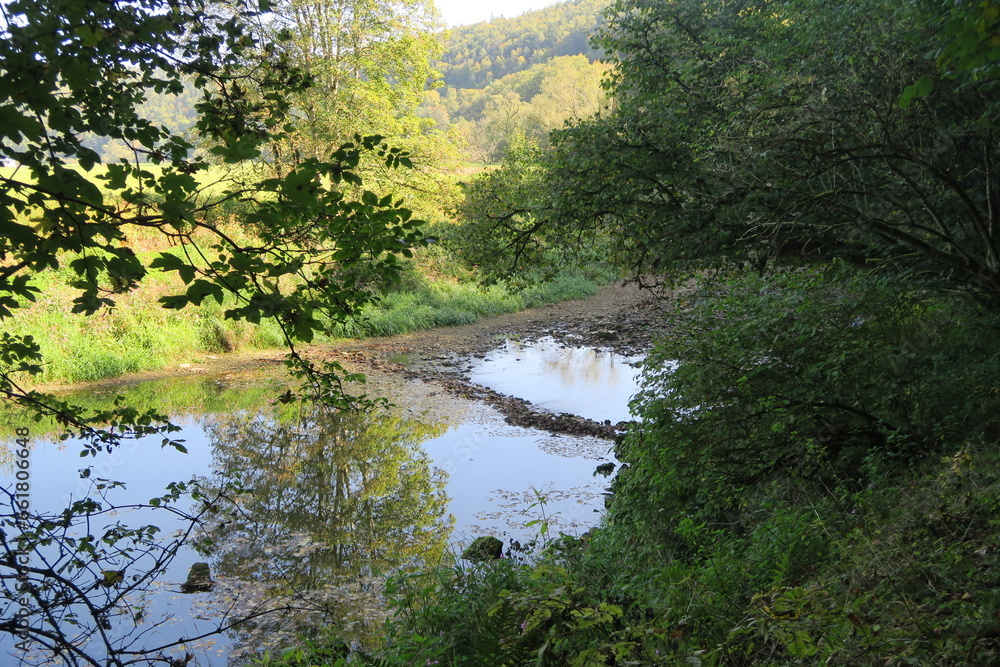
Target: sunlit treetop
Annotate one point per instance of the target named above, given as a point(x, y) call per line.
point(78, 69)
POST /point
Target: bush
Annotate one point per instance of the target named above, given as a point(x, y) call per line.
point(805, 380)
point(446, 614)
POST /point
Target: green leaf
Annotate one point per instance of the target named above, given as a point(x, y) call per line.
point(186, 273)
point(176, 302)
point(200, 289)
point(246, 148)
point(88, 36)
point(921, 88)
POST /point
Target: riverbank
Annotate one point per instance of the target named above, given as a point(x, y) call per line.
point(622, 317)
point(138, 335)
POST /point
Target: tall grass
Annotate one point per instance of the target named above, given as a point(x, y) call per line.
point(136, 335)
point(428, 303)
point(139, 335)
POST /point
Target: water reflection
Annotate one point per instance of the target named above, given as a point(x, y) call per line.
point(333, 500)
point(358, 484)
point(591, 382)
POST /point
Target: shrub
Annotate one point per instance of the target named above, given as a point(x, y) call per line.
point(804, 380)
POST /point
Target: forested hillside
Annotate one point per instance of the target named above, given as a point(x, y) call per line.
point(500, 80)
point(524, 105)
point(520, 78)
point(477, 54)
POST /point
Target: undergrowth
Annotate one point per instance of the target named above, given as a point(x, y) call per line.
point(816, 483)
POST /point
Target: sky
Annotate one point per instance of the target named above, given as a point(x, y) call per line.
point(464, 12)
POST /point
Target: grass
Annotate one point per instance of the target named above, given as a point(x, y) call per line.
point(213, 180)
point(432, 304)
point(139, 335)
point(427, 303)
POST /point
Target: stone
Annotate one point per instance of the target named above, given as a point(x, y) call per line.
point(199, 579)
point(604, 469)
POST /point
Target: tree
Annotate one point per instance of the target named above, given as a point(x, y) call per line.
point(805, 379)
point(969, 46)
point(535, 102)
point(76, 70)
point(751, 132)
point(368, 61)
point(369, 64)
point(500, 211)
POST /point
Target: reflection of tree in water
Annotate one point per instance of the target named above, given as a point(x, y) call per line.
point(334, 499)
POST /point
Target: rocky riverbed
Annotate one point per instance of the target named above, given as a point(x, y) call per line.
point(622, 318)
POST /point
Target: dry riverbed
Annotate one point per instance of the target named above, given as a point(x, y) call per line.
point(624, 318)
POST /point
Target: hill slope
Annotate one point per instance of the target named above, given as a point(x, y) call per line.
point(483, 52)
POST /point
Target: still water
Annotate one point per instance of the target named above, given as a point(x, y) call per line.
point(328, 502)
point(595, 383)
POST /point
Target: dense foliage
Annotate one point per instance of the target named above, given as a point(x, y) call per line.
point(313, 243)
point(369, 63)
point(812, 475)
point(503, 231)
point(748, 132)
point(799, 382)
point(531, 103)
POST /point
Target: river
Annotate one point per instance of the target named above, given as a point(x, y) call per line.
point(326, 503)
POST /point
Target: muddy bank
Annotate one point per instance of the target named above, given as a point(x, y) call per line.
point(622, 318)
